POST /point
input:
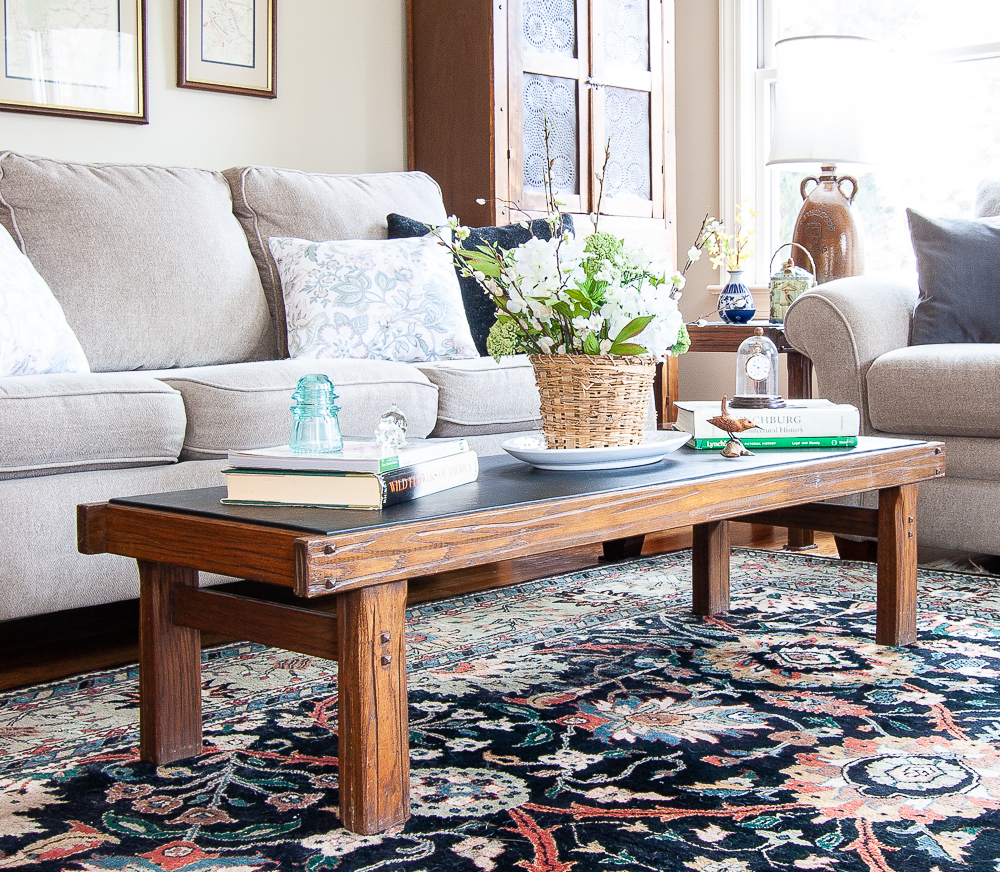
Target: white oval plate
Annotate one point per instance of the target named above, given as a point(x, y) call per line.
point(654, 447)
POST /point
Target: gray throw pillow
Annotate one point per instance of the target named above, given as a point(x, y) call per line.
point(958, 270)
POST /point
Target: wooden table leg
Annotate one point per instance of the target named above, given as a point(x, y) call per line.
point(169, 668)
point(896, 612)
point(800, 540)
point(373, 726)
point(622, 549)
point(800, 370)
point(665, 387)
point(710, 568)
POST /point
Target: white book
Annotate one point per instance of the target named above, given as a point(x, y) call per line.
point(799, 418)
point(358, 455)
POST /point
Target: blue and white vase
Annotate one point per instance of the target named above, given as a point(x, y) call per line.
point(736, 305)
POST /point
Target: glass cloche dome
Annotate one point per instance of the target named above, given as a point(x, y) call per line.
point(757, 374)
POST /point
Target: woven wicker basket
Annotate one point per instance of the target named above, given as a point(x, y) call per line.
point(593, 401)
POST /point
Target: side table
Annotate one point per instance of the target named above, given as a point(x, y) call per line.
point(719, 336)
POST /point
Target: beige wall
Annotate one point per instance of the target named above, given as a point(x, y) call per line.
point(702, 376)
point(341, 103)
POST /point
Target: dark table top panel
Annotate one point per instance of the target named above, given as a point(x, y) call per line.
point(503, 482)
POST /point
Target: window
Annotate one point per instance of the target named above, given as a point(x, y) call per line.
point(938, 124)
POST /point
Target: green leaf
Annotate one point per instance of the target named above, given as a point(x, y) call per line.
point(484, 263)
point(634, 328)
point(579, 296)
point(593, 292)
point(627, 348)
point(592, 345)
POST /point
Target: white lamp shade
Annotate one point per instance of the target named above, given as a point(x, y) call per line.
point(824, 100)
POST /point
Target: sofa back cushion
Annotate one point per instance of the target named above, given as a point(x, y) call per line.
point(290, 203)
point(149, 264)
point(957, 273)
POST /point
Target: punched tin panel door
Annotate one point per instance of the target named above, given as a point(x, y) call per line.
point(485, 75)
point(592, 71)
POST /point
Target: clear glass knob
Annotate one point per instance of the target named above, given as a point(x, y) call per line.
point(390, 434)
point(315, 427)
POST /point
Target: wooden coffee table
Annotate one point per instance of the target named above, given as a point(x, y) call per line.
point(365, 558)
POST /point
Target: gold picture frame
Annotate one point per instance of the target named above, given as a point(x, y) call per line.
point(228, 46)
point(61, 62)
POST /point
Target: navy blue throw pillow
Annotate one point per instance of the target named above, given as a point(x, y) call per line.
point(479, 308)
point(958, 271)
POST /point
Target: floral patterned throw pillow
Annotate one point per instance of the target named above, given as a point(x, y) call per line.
point(34, 335)
point(391, 299)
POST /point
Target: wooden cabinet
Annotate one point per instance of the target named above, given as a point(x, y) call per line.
point(486, 75)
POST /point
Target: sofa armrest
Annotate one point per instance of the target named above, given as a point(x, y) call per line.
point(843, 326)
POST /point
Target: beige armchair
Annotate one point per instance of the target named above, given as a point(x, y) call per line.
point(856, 331)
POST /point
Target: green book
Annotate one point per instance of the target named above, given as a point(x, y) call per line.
point(753, 442)
point(798, 419)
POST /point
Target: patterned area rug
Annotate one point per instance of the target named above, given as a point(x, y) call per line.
point(581, 722)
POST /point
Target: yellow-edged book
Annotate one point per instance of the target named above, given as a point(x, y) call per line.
point(350, 490)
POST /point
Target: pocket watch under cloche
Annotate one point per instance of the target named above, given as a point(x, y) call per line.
point(757, 374)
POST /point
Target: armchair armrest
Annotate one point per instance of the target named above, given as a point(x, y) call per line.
point(843, 326)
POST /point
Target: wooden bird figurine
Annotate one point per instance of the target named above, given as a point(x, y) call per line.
point(734, 447)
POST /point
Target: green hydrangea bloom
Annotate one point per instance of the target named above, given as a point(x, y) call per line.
point(602, 247)
point(683, 341)
point(502, 340)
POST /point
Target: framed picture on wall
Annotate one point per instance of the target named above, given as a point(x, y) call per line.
point(227, 45)
point(84, 60)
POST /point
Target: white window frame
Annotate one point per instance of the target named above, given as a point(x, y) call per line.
point(747, 75)
point(742, 130)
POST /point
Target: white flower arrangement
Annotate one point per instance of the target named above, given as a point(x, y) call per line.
point(599, 294)
point(565, 295)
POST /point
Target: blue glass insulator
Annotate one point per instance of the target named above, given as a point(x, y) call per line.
point(315, 427)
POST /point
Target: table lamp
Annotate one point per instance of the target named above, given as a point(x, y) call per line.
point(821, 117)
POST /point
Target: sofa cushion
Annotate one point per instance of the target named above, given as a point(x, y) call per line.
point(72, 422)
point(278, 202)
point(965, 456)
point(483, 396)
point(479, 306)
point(949, 389)
point(34, 335)
point(959, 282)
point(149, 263)
point(247, 405)
point(386, 299)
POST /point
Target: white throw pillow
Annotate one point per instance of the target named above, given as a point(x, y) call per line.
point(34, 335)
point(390, 299)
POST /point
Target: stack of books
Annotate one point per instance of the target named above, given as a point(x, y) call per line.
point(359, 477)
point(801, 424)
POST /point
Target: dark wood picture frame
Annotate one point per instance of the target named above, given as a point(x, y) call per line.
point(244, 64)
point(101, 75)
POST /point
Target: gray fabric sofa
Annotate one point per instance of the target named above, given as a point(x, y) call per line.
point(165, 276)
point(857, 332)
